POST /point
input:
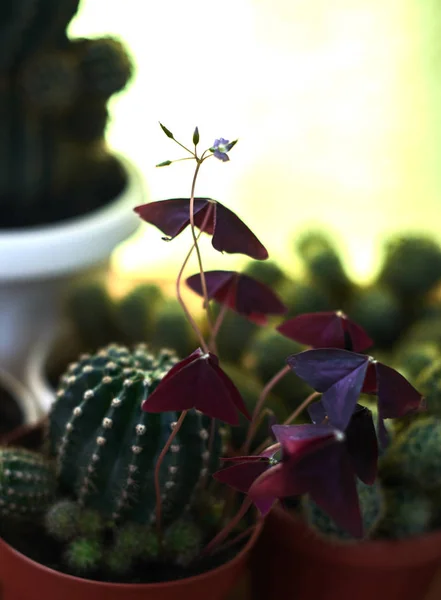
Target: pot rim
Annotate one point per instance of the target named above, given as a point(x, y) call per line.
point(139, 586)
point(64, 247)
point(385, 554)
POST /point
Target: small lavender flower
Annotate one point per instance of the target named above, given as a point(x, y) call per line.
point(221, 147)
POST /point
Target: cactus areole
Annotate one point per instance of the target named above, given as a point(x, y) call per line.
point(106, 447)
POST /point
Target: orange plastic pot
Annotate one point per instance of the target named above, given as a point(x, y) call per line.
point(289, 557)
point(25, 579)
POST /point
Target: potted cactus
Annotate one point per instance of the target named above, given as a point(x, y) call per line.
point(59, 183)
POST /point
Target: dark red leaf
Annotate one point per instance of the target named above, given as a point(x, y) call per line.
point(233, 236)
point(173, 216)
point(241, 293)
point(197, 382)
point(396, 396)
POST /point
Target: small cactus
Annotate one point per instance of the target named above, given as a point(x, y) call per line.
point(429, 383)
point(371, 505)
point(378, 310)
point(412, 264)
point(323, 264)
point(106, 66)
point(83, 555)
point(415, 456)
point(172, 329)
point(415, 358)
point(137, 541)
point(304, 297)
point(27, 482)
point(408, 513)
point(90, 523)
point(183, 541)
point(267, 272)
point(136, 313)
point(61, 520)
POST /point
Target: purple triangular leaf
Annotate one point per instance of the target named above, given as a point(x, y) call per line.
point(322, 368)
point(231, 235)
point(242, 475)
point(173, 216)
point(194, 384)
point(361, 444)
point(319, 330)
point(340, 399)
point(359, 338)
point(396, 396)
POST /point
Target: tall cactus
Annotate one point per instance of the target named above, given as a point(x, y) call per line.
point(106, 447)
point(53, 114)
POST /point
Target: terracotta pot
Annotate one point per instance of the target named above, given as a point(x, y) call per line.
point(289, 556)
point(25, 579)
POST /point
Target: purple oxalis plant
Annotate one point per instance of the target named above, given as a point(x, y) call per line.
point(324, 458)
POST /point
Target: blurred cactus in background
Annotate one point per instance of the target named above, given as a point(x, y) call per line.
point(53, 106)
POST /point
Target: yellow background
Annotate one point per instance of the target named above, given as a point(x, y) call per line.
point(335, 103)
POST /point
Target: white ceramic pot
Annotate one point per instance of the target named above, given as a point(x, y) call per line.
point(22, 396)
point(36, 264)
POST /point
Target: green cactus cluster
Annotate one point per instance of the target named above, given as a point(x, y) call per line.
point(93, 487)
point(54, 114)
point(142, 314)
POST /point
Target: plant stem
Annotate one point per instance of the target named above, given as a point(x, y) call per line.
point(262, 398)
point(196, 245)
point(237, 539)
point(223, 533)
point(190, 319)
point(159, 462)
point(217, 325)
point(292, 417)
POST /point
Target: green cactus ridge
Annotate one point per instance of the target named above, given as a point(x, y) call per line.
point(106, 447)
point(416, 455)
point(27, 482)
point(371, 500)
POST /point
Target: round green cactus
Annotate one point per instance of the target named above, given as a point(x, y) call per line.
point(379, 312)
point(371, 500)
point(413, 359)
point(265, 271)
point(412, 264)
point(83, 555)
point(136, 312)
point(27, 482)
point(61, 520)
point(90, 523)
point(323, 264)
point(106, 66)
point(172, 330)
point(415, 456)
point(137, 541)
point(429, 384)
point(183, 541)
point(106, 447)
point(304, 297)
point(408, 513)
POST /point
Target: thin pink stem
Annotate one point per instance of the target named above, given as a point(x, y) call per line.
point(223, 533)
point(217, 325)
point(257, 409)
point(238, 538)
point(292, 417)
point(190, 319)
point(196, 245)
point(159, 462)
